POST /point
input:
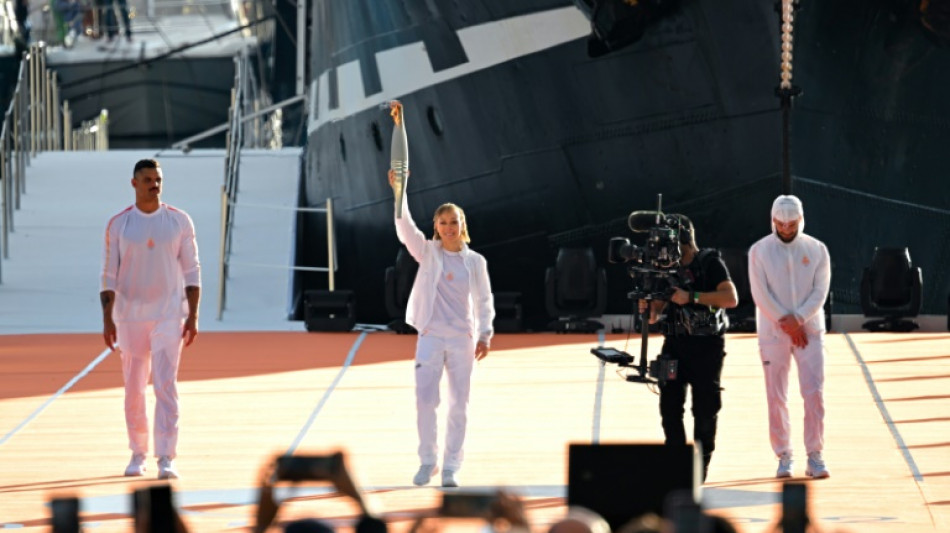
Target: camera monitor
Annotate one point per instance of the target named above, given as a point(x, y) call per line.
point(612, 355)
point(309, 467)
point(624, 481)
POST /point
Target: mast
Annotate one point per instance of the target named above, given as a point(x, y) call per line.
point(786, 91)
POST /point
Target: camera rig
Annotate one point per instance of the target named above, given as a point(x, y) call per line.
point(656, 372)
point(655, 268)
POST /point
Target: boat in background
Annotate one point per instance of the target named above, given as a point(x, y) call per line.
point(549, 135)
point(11, 46)
point(172, 79)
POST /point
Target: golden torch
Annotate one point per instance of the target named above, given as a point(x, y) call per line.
point(399, 155)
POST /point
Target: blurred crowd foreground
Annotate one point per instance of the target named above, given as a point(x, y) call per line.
point(498, 511)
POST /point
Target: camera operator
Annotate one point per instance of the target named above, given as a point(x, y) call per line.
point(698, 351)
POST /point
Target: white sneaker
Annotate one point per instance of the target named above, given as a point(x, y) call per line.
point(166, 468)
point(784, 465)
point(816, 466)
point(136, 465)
point(424, 474)
point(449, 479)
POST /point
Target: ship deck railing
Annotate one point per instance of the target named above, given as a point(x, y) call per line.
point(36, 121)
point(253, 124)
point(176, 22)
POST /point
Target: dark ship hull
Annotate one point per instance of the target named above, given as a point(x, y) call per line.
point(545, 146)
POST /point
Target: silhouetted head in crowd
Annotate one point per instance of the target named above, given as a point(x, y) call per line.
point(647, 523)
point(308, 525)
point(653, 523)
point(580, 520)
point(366, 524)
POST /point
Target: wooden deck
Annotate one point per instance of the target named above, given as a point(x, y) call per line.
point(248, 396)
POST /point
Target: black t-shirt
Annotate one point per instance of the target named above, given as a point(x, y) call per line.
point(706, 271)
point(703, 274)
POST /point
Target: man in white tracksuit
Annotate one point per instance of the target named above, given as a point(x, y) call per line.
point(150, 289)
point(790, 275)
point(451, 306)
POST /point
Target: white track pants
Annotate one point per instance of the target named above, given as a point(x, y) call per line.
point(151, 347)
point(776, 359)
point(457, 356)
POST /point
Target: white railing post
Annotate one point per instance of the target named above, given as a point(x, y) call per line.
point(221, 252)
point(67, 127)
point(54, 108)
point(331, 247)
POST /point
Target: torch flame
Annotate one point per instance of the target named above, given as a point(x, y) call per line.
point(395, 111)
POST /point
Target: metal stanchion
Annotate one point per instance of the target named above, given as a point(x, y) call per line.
point(54, 106)
point(67, 127)
point(222, 272)
point(34, 92)
point(331, 246)
point(5, 199)
point(48, 108)
point(103, 143)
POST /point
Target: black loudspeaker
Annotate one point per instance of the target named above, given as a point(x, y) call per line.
point(623, 481)
point(329, 310)
point(508, 314)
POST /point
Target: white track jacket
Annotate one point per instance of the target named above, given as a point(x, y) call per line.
point(789, 278)
point(422, 297)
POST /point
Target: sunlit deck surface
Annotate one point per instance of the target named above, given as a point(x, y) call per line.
point(247, 396)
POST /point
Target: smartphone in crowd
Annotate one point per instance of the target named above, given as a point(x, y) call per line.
point(65, 515)
point(466, 504)
point(308, 467)
point(794, 507)
point(154, 509)
point(684, 513)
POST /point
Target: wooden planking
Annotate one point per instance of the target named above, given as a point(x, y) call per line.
point(248, 396)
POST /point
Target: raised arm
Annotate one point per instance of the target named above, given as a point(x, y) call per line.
point(406, 229)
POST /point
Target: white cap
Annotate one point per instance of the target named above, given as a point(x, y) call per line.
point(787, 208)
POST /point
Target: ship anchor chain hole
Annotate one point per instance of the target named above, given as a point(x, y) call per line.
point(435, 120)
point(377, 136)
